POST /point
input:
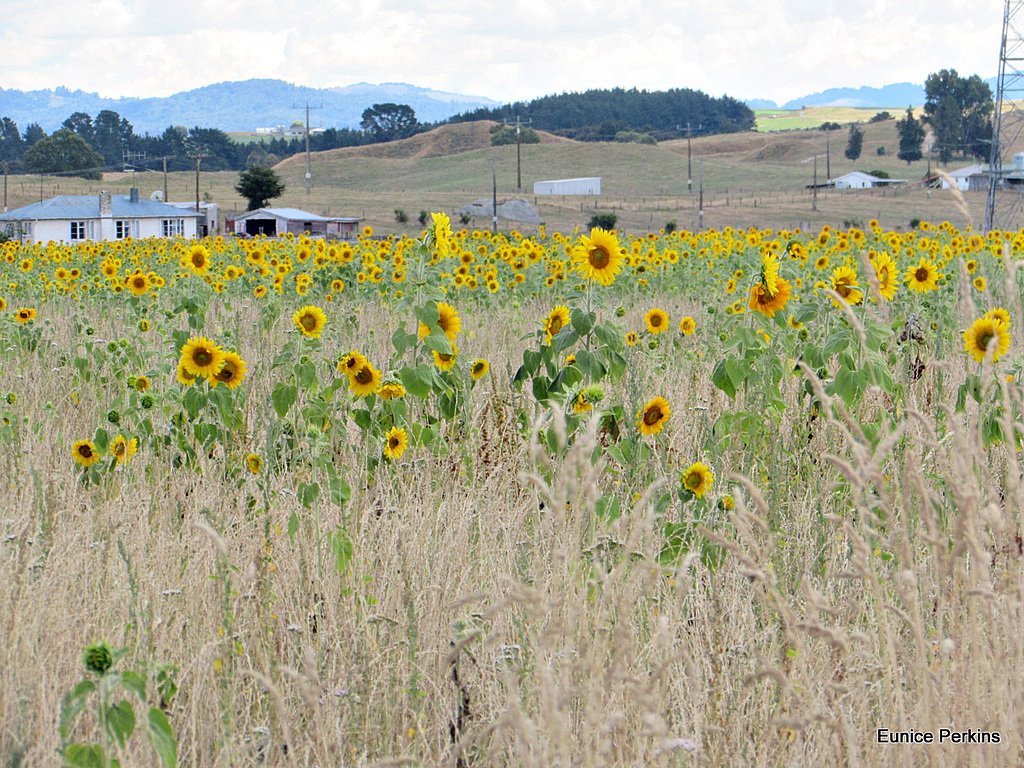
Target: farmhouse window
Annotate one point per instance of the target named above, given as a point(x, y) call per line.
point(173, 227)
point(80, 230)
point(126, 228)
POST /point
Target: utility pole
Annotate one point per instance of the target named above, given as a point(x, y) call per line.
point(494, 197)
point(689, 154)
point(700, 199)
point(309, 165)
point(198, 157)
point(519, 156)
point(1004, 202)
point(165, 179)
point(814, 191)
point(828, 156)
point(5, 186)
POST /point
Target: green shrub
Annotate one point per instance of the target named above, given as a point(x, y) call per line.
point(603, 221)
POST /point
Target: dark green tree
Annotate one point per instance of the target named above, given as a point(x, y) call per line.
point(63, 152)
point(33, 133)
point(911, 134)
point(959, 110)
point(389, 122)
point(80, 123)
point(12, 146)
point(855, 143)
point(258, 185)
point(111, 136)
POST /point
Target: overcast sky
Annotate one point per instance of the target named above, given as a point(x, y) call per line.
point(507, 51)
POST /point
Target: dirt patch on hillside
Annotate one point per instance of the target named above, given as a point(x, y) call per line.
point(444, 141)
point(781, 150)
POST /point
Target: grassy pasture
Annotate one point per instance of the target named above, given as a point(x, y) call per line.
point(750, 179)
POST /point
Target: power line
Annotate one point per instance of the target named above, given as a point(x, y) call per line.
point(309, 165)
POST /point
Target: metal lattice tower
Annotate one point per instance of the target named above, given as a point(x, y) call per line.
point(1004, 207)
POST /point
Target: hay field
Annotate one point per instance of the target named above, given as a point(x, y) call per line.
point(736, 498)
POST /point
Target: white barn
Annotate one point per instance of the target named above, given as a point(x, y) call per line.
point(78, 218)
point(583, 186)
point(861, 180)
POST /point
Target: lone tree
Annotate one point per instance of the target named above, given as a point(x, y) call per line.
point(911, 137)
point(855, 143)
point(63, 152)
point(389, 122)
point(259, 185)
point(959, 110)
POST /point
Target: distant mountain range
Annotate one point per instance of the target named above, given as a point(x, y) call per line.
point(237, 106)
point(898, 95)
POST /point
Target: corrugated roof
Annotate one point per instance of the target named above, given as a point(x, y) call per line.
point(88, 207)
point(293, 214)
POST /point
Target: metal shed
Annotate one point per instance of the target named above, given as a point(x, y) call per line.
point(590, 185)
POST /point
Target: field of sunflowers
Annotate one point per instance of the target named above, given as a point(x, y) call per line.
point(735, 497)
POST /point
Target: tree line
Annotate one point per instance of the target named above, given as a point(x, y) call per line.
point(598, 115)
point(86, 146)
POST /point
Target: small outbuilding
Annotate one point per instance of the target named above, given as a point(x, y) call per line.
point(274, 222)
point(77, 218)
point(861, 180)
point(583, 186)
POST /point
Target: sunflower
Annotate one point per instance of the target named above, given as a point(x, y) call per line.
point(556, 321)
point(599, 256)
point(448, 321)
point(198, 260)
point(766, 303)
point(85, 453)
point(687, 326)
point(391, 390)
point(351, 363)
point(653, 416)
point(656, 320)
point(821, 262)
point(632, 338)
point(122, 449)
point(310, 321)
point(233, 371)
point(254, 463)
point(924, 277)
point(138, 284)
point(844, 282)
point(201, 357)
point(365, 381)
point(999, 314)
point(442, 231)
point(446, 362)
point(479, 369)
point(979, 283)
point(984, 333)
point(887, 274)
point(142, 383)
point(24, 315)
point(184, 376)
point(770, 274)
point(698, 479)
point(395, 443)
point(259, 291)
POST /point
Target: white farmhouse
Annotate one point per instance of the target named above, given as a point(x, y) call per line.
point(77, 218)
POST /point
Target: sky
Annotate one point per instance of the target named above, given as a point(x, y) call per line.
point(507, 51)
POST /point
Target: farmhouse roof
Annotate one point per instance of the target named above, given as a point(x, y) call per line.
point(88, 207)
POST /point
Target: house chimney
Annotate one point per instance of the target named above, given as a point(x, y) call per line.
point(133, 195)
point(106, 205)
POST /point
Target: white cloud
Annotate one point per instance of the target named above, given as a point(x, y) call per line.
point(517, 49)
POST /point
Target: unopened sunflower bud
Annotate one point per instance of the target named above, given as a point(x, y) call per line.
point(98, 658)
point(114, 417)
point(620, 311)
point(146, 402)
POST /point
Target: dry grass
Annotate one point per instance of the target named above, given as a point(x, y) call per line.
point(489, 618)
